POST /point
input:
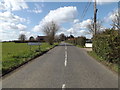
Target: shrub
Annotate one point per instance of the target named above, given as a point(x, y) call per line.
point(78, 41)
point(81, 41)
point(107, 45)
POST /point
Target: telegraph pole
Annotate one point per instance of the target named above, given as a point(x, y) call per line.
point(95, 17)
point(119, 16)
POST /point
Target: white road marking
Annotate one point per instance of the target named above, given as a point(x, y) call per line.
point(65, 54)
point(63, 86)
point(65, 63)
point(65, 48)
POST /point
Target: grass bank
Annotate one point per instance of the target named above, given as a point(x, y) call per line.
point(15, 54)
point(112, 66)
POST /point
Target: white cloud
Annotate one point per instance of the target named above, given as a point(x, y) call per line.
point(100, 2)
point(81, 25)
point(28, 34)
point(70, 30)
point(85, 23)
point(11, 35)
point(78, 29)
point(76, 21)
point(13, 5)
point(111, 16)
point(10, 21)
point(12, 26)
point(37, 28)
point(75, 32)
point(10, 17)
point(21, 27)
point(60, 15)
point(37, 9)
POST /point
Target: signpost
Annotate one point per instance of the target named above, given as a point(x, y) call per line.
point(34, 43)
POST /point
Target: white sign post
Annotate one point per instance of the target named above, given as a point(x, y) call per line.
point(34, 43)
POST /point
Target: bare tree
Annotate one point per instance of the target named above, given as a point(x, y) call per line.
point(50, 30)
point(90, 27)
point(22, 37)
point(116, 20)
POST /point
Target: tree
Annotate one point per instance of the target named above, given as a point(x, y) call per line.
point(116, 20)
point(81, 41)
point(50, 30)
point(22, 37)
point(57, 39)
point(62, 37)
point(71, 36)
point(31, 38)
point(90, 27)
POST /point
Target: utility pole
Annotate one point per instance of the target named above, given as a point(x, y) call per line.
point(95, 17)
point(119, 16)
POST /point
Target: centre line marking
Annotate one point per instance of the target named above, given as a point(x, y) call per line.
point(65, 63)
point(63, 86)
point(65, 54)
point(65, 48)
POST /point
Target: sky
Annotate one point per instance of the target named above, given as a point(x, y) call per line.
point(29, 18)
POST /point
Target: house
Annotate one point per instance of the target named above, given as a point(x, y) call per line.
point(41, 38)
point(88, 43)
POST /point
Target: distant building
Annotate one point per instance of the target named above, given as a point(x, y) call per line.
point(88, 43)
point(41, 38)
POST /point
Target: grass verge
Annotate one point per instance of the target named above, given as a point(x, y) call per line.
point(17, 54)
point(80, 46)
point(112, 66)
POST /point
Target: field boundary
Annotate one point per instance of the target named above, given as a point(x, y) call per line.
point(26, 62)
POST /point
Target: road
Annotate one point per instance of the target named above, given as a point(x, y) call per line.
point(65, 66)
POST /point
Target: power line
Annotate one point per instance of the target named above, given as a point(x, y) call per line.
point(85, 9)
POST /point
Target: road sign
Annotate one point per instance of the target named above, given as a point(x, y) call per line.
point(33, 43)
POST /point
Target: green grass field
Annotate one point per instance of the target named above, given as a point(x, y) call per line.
point(14, 54)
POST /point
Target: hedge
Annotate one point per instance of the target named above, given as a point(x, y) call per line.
point(107, 45)
point(78, 41)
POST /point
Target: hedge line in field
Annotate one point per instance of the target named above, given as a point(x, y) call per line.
point(107, 45)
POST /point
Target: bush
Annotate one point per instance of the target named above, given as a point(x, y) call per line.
point(81, 41)
point(78, 41)
point(107, 45)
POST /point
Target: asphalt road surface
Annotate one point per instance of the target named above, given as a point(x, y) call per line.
point(65, 66)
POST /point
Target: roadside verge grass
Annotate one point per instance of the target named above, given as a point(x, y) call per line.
point(16, 54)
point(112, 66)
